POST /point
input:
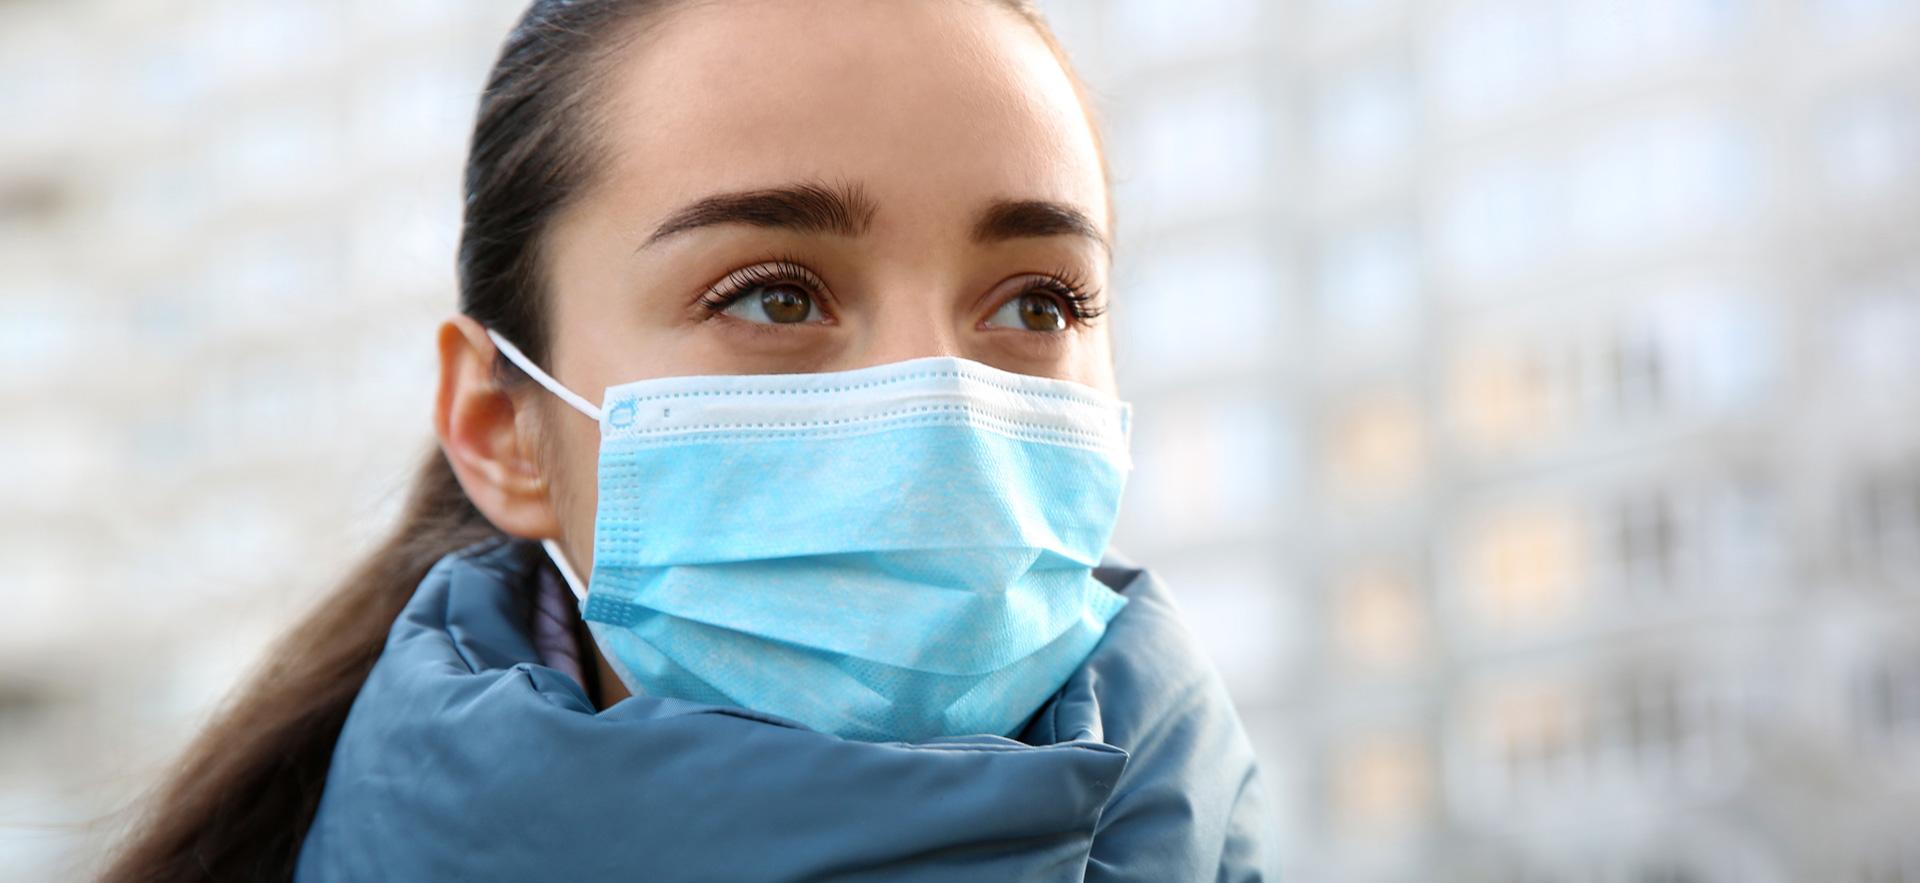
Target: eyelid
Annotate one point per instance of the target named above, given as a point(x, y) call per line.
point(766, 273)
point(731, 287)
point(1080, 303)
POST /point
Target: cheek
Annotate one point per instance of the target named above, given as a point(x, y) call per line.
point(576, 492)
point(1094, 361)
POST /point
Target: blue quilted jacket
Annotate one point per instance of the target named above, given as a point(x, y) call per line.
point(466, 759)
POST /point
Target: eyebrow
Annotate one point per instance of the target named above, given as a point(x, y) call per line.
point(844, 210)
point(1034, 218)
point(847, 210)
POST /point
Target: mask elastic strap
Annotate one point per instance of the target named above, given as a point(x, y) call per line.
point(520, 359)
point(566, 572)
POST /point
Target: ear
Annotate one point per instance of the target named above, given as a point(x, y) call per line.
point(482, 434)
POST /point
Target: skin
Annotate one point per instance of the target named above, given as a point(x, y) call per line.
point(933, 112)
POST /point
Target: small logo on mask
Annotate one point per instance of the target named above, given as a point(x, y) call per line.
point(622, 415)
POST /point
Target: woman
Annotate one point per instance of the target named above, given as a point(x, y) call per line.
point(764, 537)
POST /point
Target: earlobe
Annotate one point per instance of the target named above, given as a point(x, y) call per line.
point(479, 429)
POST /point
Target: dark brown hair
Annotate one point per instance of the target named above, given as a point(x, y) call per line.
point(239, 803)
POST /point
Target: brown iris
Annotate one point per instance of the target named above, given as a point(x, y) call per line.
point(785, 304)
point(1041, 313)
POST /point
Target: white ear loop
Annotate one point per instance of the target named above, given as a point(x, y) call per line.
point(566, 572)
point(519, 358)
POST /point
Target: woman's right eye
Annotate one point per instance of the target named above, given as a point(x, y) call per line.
point(782, 292)
point(777, 304)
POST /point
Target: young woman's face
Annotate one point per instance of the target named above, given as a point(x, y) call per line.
point(799, 186)
point(806, 186)
point(796, 185)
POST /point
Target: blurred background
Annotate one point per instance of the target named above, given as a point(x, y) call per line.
point(1527, 398)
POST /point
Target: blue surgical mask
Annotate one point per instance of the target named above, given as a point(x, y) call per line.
point(892, 553)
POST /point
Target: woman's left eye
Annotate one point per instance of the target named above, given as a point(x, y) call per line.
point(1032, 311)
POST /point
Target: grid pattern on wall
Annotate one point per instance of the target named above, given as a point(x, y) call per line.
point(227, 231)
point(1527, 419)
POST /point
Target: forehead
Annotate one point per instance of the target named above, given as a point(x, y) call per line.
point(933, 106)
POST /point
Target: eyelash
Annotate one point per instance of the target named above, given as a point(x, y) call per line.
point(729, 290)
point(1082, 302)
point(1065, 284)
